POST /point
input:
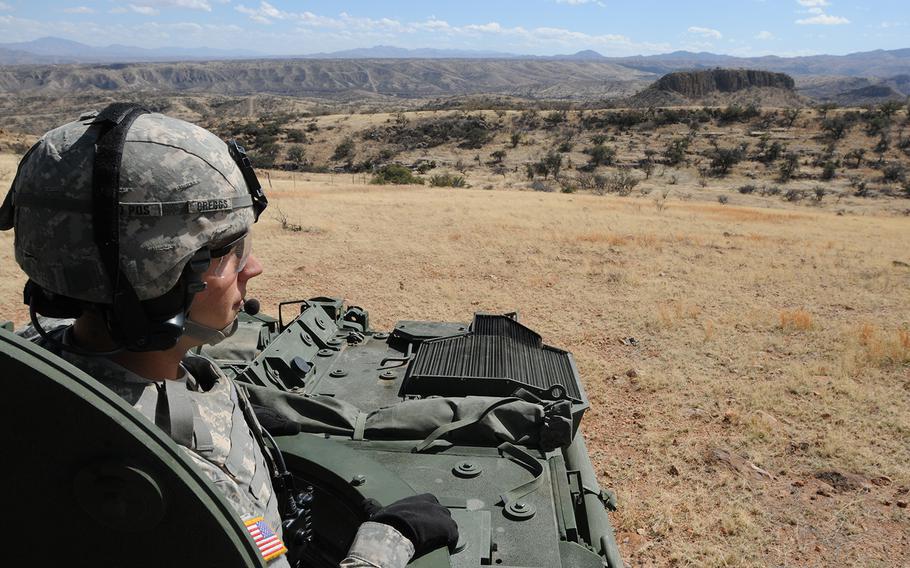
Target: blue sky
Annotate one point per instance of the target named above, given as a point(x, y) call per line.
point(543, 27)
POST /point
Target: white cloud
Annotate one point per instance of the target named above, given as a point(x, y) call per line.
point(144, 10)
point(705, 32)
point(79, 10)
point(813, 3)
point(886, 25)
point(265, 13)
point(203, 5)
point(764, 34)
point(823, 20)
point(4, 7)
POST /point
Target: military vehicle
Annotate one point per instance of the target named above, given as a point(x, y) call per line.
point(482, 414)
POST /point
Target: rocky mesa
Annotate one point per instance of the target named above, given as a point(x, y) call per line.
point(720, 86)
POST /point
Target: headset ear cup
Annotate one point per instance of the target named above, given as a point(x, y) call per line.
point(49, 304)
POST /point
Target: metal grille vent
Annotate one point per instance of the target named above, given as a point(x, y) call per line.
point(497, 356)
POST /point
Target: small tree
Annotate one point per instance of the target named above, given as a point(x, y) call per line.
point(395, 173)
point(296, 156)
point(344, 150)
point(498, 156)
point(836, 127)
point(856, 155)
point(723, 159)
point(675, 151)
point(515, 139)
point(600, 155)
point(790, 116)
point(788, 167)
point(884, 144)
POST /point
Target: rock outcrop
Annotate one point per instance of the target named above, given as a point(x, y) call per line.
point(697, 84)
point(719, 87)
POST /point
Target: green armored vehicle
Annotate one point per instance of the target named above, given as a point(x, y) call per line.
point(481, 414)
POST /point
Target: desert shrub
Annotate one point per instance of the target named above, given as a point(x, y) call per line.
point(768, 153)
point(423, 166)
point(396, 174)
point(599, 139)
point(722, 199)
point(470, 131)
point(788, 167)
point(882, 147)
point(296, 136)
point(447, 180)
point(622, 182)
point(646, 164)
point(565, 146)
point(515, 139)
point(819, 193)
point(723, 159)
point(736, 113)
point(893, 172)
point(829, 170)
point(600, 155)
point(748, 188)
point(567, 185)
point(836, 127)
point(876, 123)
point(296, 157)
point(824, 108)
point(498, 156)
point(794, 195)
point(856, 156)
point(675, 151)
point(540, 185)
point(555, 118)
point(770, 190)
point(344, 150)
point(790, 116)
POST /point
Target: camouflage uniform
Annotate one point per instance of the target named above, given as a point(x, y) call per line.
point(179, 191)
point(224, 448)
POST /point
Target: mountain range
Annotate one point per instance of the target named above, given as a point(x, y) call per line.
point(878, 63)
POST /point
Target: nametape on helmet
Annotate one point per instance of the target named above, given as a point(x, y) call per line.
point(191, 207)
point(139, 209)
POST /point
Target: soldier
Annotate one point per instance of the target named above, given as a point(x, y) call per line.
point(138, 225)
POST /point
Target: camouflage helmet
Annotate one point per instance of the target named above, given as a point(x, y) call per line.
point(180, 190)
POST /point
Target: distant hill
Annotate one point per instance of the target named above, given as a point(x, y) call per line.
point(856, 91)
point(58, 50)
point(878, 63)
point(337, 78)
point(719, 86)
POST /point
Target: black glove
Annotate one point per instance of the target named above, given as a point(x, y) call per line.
point(274, 422)
point(420, 518)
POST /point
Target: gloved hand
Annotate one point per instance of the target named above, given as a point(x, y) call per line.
point(419, 518)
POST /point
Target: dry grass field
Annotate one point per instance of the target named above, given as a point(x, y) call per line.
point(749, 369)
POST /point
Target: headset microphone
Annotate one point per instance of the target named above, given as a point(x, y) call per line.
point(251, 306)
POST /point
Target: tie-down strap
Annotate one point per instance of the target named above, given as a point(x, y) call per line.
point(532, 465)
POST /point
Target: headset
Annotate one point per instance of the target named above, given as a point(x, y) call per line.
point(135, 325)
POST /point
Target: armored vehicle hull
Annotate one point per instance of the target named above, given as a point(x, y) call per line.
point(481, 414)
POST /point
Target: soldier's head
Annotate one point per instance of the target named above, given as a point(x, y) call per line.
point(132, 215)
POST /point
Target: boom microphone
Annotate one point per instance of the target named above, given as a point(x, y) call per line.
point(251, 306)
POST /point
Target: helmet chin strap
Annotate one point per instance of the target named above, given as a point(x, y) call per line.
point(209, 335)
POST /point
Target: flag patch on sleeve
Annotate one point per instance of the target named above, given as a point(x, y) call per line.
point(268, 542)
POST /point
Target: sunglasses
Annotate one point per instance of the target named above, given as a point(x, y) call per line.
point(232, 257)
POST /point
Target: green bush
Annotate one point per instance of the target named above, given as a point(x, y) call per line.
point(395, 174)
point(344, 150)
point(448, 180)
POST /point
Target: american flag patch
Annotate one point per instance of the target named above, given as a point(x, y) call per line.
point(270, 546)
